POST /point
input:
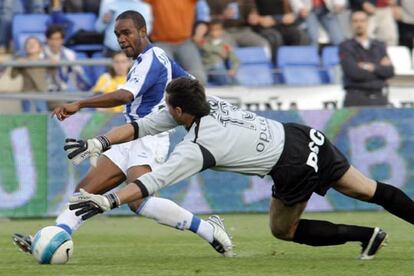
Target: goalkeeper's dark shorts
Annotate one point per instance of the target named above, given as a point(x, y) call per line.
point(309, 163)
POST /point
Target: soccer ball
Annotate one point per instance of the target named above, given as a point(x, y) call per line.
point(52, 245)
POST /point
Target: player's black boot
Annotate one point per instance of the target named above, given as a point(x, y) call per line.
point(371, 248)
point(24, 243)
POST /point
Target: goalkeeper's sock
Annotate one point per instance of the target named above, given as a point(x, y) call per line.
point(322, 233)
point(68, 221)
point(167, 212)
point(394, 201)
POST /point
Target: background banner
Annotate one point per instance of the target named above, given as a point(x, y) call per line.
point(23, 165)
point(36, 179)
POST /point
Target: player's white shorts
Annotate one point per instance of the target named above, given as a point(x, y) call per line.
point(149, 150)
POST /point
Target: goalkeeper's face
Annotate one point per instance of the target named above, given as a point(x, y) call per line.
point(131, 39)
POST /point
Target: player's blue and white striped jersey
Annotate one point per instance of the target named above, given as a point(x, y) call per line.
point(147, 79)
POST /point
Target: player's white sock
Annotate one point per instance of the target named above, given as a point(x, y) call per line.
point(69, 221)
point(167, 212)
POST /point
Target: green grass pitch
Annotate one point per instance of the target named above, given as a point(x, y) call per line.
point(137, 246)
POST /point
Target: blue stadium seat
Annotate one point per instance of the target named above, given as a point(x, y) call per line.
point(330, 56)
point(299, 65)
point(255, 67)
point(330, 62)
point(255, 75)
point(27, 24)
point(249, 55)
point(88, 69)
point(82, 21)
point(98, 70)
point(297, 55)
point(86, 22)
point(301, 75)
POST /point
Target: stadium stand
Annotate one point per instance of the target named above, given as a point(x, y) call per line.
point(98, 69)
point(330, 63)
point(401, 59)
point(89, 70)
point(299, 65)
point(254, 62)
point(83, 22)
point(24, 25)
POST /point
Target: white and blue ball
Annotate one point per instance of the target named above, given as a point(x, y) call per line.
point(52, 245)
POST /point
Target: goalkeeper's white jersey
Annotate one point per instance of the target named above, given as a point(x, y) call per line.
point(229, 139)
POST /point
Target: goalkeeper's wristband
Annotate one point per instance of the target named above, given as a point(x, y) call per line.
point(113, 199)
point(104, 142)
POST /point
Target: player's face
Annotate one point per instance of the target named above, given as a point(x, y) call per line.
point(176, 113)
point(131, 40)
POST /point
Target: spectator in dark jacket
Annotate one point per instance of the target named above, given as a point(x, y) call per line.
point(405, 19)
point(365, 65)
point(382, 24)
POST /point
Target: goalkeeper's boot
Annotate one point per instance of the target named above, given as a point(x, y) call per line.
point(221, 240)
point(24, 243)
point(371, 248)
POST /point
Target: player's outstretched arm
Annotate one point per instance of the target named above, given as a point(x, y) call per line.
point(79, 150)
point(156, 122)
point(113, 99)
point(186, 160)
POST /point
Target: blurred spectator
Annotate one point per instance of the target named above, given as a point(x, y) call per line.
point(172, 31)
point(202, 11)
point(238, 16)
point(219, 58)
point(405, 19)
point(65, 78)
point(382, 24)
point(34, 78)
point(321, 13)
point(8, 8)
point(81, 6)
point(58, 17)
point(201, 20)
point(109, 10)
point(117, 76)
point(278, 24)
point(365, 65)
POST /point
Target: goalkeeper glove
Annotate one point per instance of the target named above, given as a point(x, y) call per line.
point(89, 205)
point(79, 150)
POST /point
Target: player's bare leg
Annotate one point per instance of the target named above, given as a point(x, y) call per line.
point(100, 179)
point(354, 184)
point(168, 213)
point(284, 219)
point(285, 224)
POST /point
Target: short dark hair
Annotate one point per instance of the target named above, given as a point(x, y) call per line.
point(216, 21)
point(189, 95)
point(52, 29)
point(136, 17)
point(358, 11)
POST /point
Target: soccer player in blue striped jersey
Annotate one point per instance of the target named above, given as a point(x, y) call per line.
point(144, 90)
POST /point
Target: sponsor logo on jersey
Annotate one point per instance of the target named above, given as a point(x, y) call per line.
point(264, 135)
point(317, 140)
